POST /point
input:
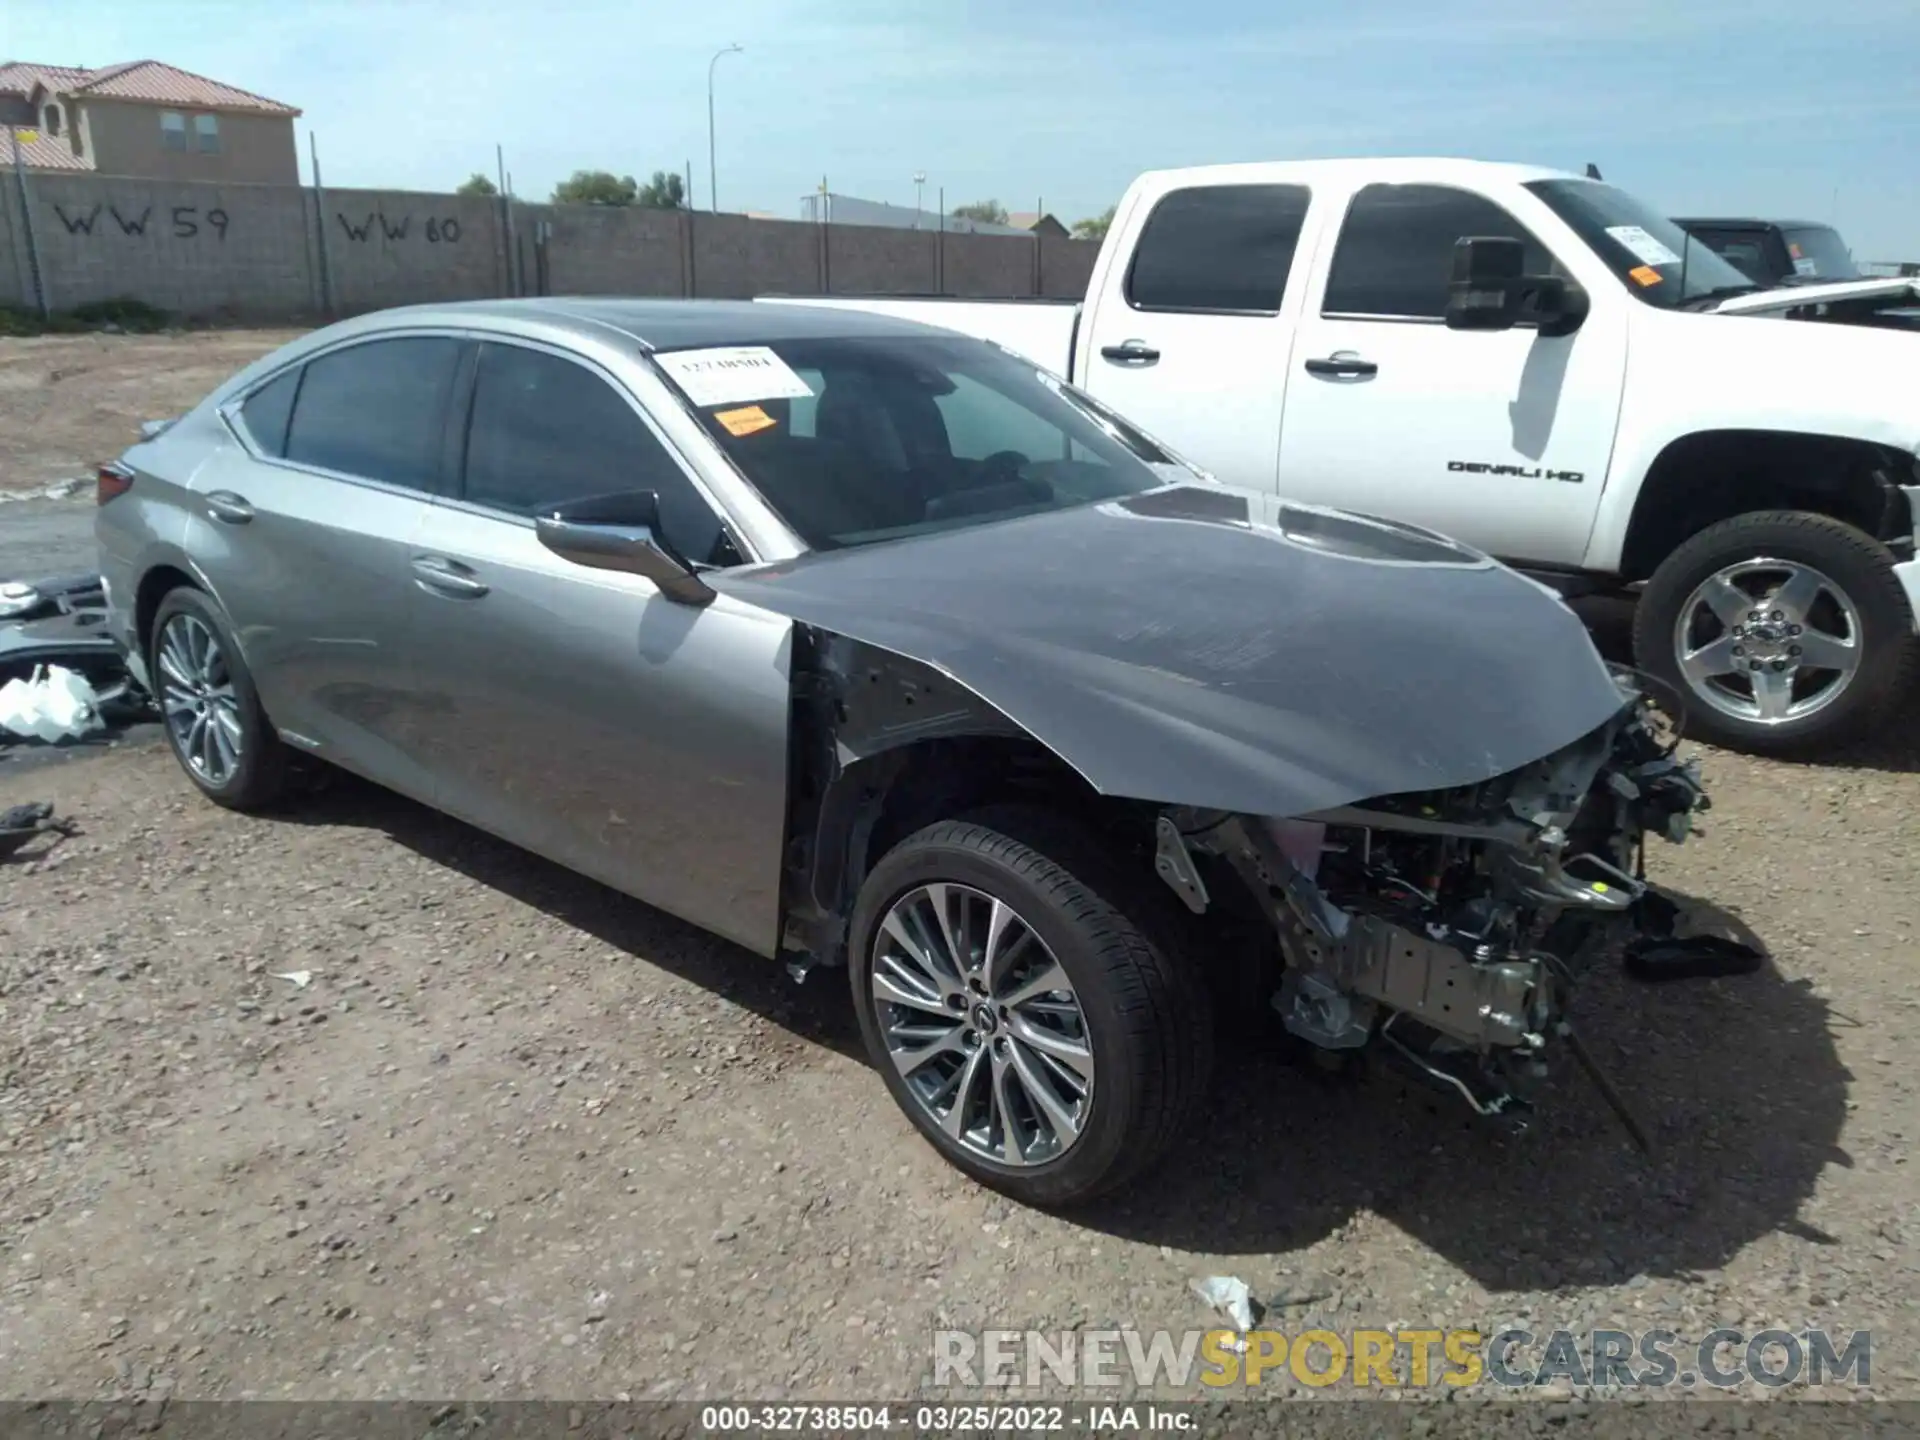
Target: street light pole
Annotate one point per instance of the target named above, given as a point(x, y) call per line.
point(713, 178)
point(919, 188)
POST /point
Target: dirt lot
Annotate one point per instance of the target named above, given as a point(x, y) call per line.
point(521, 1137)
point(67, 402)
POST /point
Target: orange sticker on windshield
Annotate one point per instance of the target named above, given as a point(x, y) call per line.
point(748, 420)
point(1645, 275)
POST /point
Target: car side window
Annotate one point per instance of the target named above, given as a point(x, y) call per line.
point(377, 410)
point(266, 411)
point(546, 430)
point(1218, 247)
point(1395, 254)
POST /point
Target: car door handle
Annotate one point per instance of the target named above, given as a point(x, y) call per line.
point(226, 506)
point(447, 577)
point(1343, 363)
point(1130, 352)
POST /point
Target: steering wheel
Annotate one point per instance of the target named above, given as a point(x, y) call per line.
point(1004, 466)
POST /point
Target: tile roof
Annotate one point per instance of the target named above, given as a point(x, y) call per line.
point(144, 80)
point(20, 77)
point(45, 152)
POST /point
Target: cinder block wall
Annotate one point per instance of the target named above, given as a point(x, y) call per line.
point(243, 251)
point(275, 252)
point(388, 247)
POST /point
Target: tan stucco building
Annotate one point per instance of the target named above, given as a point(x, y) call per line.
point(149, 120)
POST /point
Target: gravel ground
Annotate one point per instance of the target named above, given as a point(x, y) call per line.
point(522, 1137)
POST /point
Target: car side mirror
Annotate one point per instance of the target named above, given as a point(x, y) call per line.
point(1492, 291)
point(622, 532)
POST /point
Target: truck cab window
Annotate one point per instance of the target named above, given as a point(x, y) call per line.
point(1395, 256)
point(1218, 247)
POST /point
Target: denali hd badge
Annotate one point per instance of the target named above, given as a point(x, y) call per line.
point(1518, 472)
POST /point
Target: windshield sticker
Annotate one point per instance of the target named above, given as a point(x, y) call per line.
point(1646, 248)
point(750, 420)
point(1644, 275)
point(733, 375)
point(1803, 266)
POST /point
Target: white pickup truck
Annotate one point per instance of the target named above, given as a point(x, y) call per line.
point(1541, 366)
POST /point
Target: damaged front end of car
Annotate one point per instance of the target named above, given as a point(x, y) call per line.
point(1448, 929)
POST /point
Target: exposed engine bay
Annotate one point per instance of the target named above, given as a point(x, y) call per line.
point(1449, 928)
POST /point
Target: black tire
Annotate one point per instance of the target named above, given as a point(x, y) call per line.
point(1853, 560)
point(1148, 1020)
point(260, 775)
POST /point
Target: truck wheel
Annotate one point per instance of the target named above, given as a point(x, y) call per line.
point(1030, 1030)
point(1785, 632)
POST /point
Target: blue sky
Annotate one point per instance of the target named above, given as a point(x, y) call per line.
point(1781, 107)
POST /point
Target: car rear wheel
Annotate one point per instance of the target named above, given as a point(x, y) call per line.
point(1785, 632)
point(1029, 1028)
point(213, 719)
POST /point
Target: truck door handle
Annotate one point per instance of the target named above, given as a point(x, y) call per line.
point(1130, 352)
point(447, 577)
point(226, 506)
point(1343, 363)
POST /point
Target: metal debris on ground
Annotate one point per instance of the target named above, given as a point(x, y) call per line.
point(1229, 1295)
point(1661, 952)
point(22, 823)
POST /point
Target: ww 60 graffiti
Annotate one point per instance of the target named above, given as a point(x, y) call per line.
point(436, 230)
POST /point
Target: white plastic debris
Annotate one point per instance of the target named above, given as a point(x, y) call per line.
point(300, 978)
point(56, 704)
point(1229, 1295)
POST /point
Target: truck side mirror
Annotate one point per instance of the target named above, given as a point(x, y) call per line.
point(1487, 274)
point(1492, 291)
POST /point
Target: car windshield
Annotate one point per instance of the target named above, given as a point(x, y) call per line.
point(1818, 253)
point(1655, 259)
point(857, 439)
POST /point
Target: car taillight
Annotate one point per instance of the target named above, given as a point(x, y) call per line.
point(114, 480)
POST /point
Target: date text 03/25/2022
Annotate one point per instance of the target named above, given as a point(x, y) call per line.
point(936, 1419)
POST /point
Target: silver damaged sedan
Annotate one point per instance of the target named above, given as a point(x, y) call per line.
point(867, 645)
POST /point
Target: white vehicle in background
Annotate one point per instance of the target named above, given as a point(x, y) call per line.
point(1541, 366)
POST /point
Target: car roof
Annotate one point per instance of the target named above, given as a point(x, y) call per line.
point(653, 324)
point(1741, 223)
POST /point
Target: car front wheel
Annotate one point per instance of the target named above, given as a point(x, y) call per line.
point(1029, 1028)
point(1785, 632)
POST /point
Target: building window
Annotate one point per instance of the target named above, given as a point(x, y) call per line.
point(50, 117)
point(206, 134)
point(173, 130)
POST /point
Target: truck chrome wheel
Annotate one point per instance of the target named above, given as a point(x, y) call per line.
point(982, 1024)
point(1767, 641)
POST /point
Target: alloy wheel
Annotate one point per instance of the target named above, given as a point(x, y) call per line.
point(197, 695)
point(983, 1025)
point(1768, 641)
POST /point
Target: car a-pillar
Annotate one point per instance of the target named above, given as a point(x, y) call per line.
point(1771, 605)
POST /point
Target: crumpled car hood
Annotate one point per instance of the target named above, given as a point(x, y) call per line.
point(1211, 647)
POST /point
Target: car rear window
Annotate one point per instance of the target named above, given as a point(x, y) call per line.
point(265, 413)
point(377, 410)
